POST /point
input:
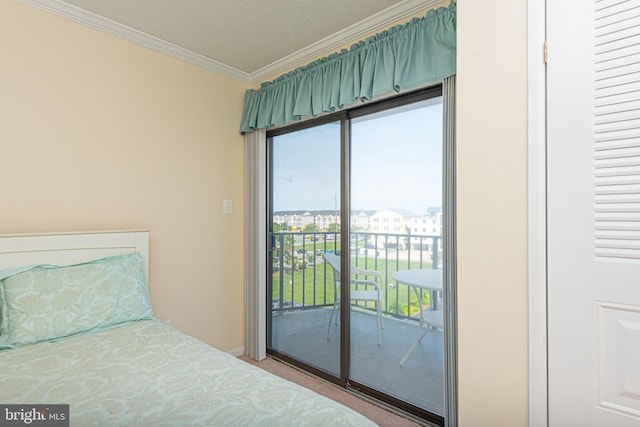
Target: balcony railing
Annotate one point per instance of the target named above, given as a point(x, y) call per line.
point(302, 280)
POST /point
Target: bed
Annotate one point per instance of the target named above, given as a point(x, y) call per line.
point(77, 329)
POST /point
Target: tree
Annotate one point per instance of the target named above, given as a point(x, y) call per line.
point(310, 228)
point(280, 227)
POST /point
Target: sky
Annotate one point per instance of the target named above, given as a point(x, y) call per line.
point(396, 162)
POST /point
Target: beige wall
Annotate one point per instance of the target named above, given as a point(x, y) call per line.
point(99, 133)
point(492, 198)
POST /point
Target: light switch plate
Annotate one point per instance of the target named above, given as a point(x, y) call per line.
point(227, 207)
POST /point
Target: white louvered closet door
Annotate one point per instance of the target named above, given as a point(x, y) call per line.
point(594, 212)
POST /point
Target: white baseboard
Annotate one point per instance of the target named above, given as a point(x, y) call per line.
point(238, 351)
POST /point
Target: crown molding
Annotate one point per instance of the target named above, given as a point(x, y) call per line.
point(322, 47)
point(108, 26)
point(333, 42)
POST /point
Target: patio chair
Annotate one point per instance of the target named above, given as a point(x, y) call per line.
point(372, 290)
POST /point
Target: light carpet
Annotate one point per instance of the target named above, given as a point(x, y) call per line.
point(375, 413)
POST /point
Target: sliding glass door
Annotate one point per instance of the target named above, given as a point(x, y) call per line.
point(356, 250)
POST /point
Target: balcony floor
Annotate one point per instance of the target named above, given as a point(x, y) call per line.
point(420, 381)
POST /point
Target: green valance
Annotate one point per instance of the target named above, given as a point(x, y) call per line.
point(403, 57)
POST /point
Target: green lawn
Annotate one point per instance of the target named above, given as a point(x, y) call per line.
point(299, 286)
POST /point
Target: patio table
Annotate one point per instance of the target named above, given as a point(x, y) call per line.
point(417, 279)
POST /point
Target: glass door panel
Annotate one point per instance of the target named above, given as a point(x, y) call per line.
point(305, 226)
point(396, 237)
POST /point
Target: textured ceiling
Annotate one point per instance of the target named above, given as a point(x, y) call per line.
point(244, 34)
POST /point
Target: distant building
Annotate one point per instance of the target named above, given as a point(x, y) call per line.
point(361, 220)
point(391, 221)
point(297, 220)
point(324, 219)
point(429, 224)
point(384, 221)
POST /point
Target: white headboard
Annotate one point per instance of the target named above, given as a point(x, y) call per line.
point(71, 248)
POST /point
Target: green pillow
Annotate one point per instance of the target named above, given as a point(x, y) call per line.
point(47, 302)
